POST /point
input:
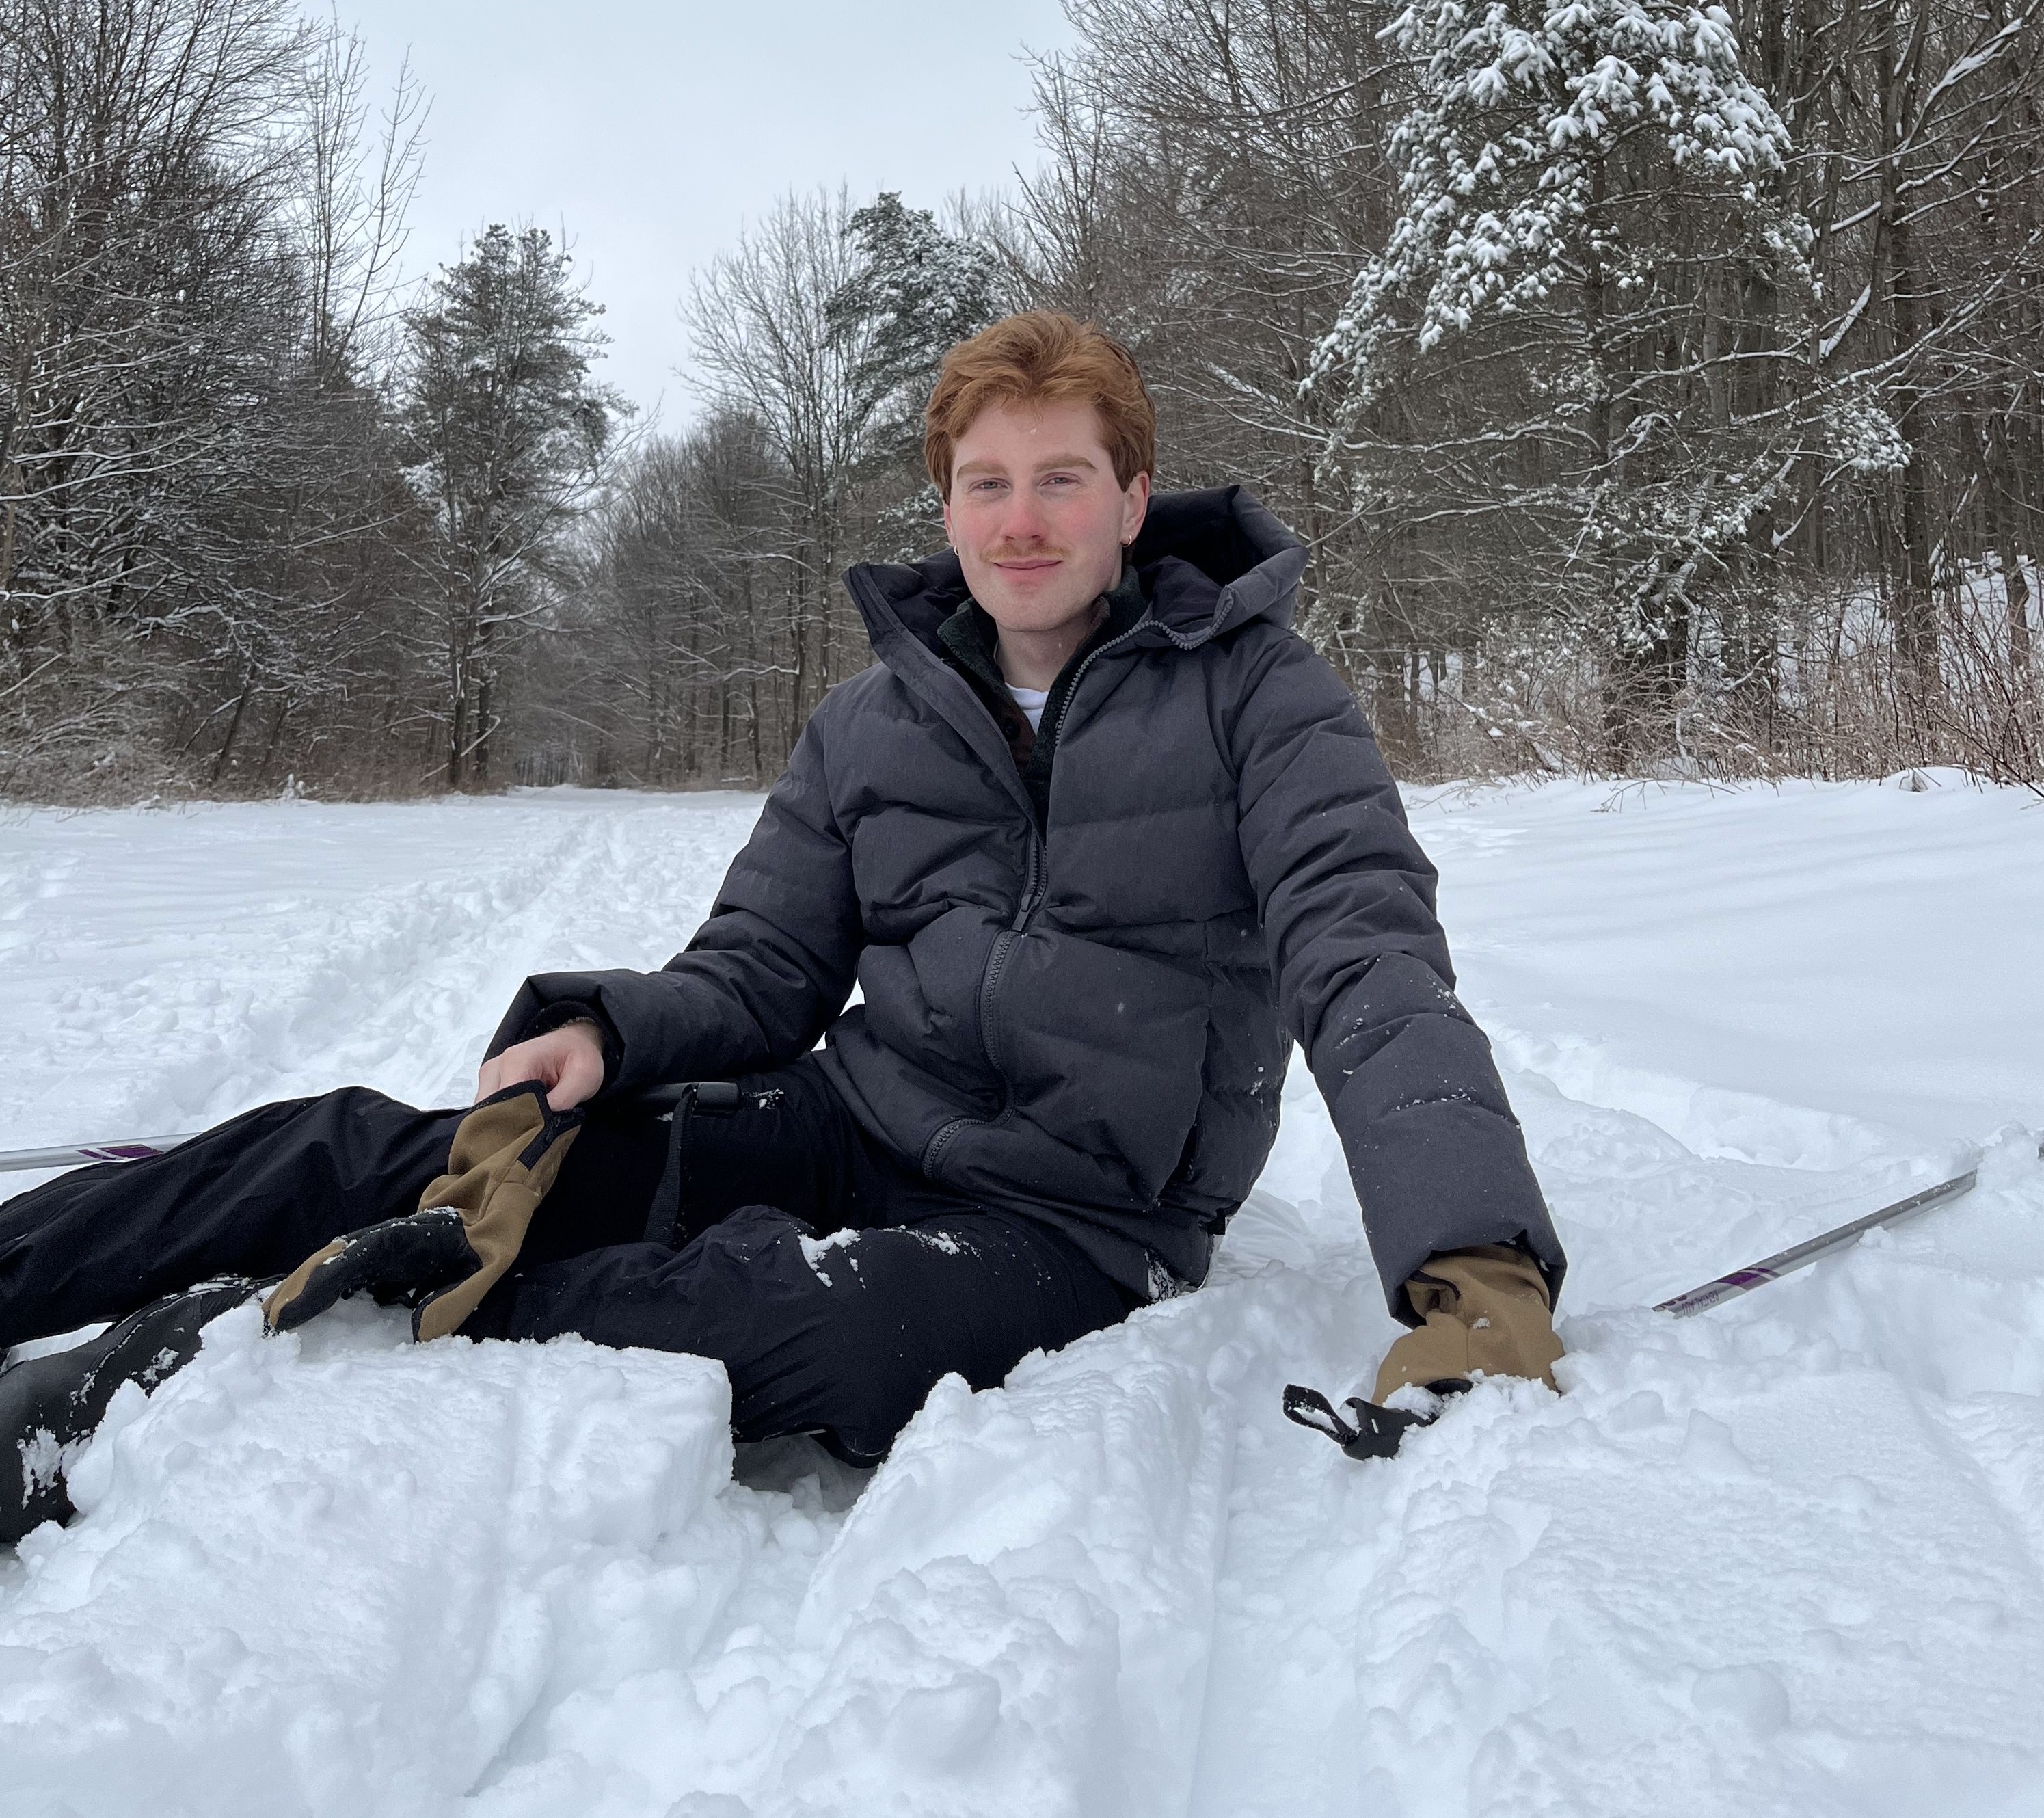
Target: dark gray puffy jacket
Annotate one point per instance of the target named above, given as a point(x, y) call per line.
point(1090, 1024)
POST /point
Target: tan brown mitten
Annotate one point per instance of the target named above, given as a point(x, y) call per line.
point(1484, 1311)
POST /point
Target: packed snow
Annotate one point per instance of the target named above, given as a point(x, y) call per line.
point(1786, 1557)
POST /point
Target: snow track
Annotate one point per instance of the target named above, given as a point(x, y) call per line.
point(1785, 1557)
point(173, 968)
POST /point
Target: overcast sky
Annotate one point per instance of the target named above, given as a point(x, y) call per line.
point(654, 132)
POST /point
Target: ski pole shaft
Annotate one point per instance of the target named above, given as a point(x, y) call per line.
point(1801, 1255)
point(653, 1098)
point(74, 1155)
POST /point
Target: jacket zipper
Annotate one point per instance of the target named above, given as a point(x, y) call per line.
point(1072, 693)
point(997, 963)
point(933, 1150)
point(1035, 886)
point(1004, 946)
point(1032, 889)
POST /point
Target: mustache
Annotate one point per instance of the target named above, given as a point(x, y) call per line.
point(1030, 552)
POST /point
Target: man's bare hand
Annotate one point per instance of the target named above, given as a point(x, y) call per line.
point(568, 1061)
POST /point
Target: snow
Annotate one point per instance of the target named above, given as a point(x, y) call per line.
point(1786, 1557)
point(815, 1250)
point(346, 1567)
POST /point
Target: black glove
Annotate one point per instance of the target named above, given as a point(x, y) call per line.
point(399, 1262)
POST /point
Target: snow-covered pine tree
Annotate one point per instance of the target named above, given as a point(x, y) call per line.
point(1537, 136)
point(1560, 385)
point(917, 291)
point(508, 434)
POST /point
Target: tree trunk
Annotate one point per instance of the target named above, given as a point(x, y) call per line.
point(233, 726)
point(1998, 524)
point(1915, 607)
point(457, 746)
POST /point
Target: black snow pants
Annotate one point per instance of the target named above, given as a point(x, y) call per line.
point(834, 1284)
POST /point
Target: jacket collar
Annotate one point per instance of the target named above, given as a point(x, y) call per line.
point(972, 639)
point(1210, 561)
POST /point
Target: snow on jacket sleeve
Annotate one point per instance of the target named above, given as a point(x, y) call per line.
point(1364, 981)
point(764, 976)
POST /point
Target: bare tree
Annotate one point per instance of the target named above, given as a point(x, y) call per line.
point(355, 182)
point(1214, 175)
point(769, 350)
point(672, 657)
point(198, 483)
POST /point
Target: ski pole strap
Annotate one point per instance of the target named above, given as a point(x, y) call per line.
point(1376, 1432)
point(1309, 1408)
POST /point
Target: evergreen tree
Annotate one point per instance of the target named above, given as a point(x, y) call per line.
point(917, 291)
point(508, 435)
point(1571, 353)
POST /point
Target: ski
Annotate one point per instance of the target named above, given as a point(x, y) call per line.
point(75, 1154)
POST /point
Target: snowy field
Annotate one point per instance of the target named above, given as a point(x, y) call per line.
point(1784, 1558)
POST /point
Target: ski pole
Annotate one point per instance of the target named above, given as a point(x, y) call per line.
point(72, 1155)
point(655, 1098)
point(1724, 1288)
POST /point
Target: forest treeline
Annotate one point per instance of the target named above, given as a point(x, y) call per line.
point(1657, 387)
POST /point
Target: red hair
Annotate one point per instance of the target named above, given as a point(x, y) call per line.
point(1042, 357)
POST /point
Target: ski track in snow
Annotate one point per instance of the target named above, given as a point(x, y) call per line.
point(1784, 1558)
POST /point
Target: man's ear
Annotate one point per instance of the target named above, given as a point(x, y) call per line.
point(946, 502)
point(1135, 508)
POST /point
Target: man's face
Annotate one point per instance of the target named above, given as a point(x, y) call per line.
point(1036, 515)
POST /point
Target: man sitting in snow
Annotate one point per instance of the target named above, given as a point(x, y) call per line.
point(1098, 836)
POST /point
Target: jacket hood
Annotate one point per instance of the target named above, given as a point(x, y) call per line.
point(1210, 560)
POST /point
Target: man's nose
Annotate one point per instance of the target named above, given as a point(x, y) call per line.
point(1023, 520)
